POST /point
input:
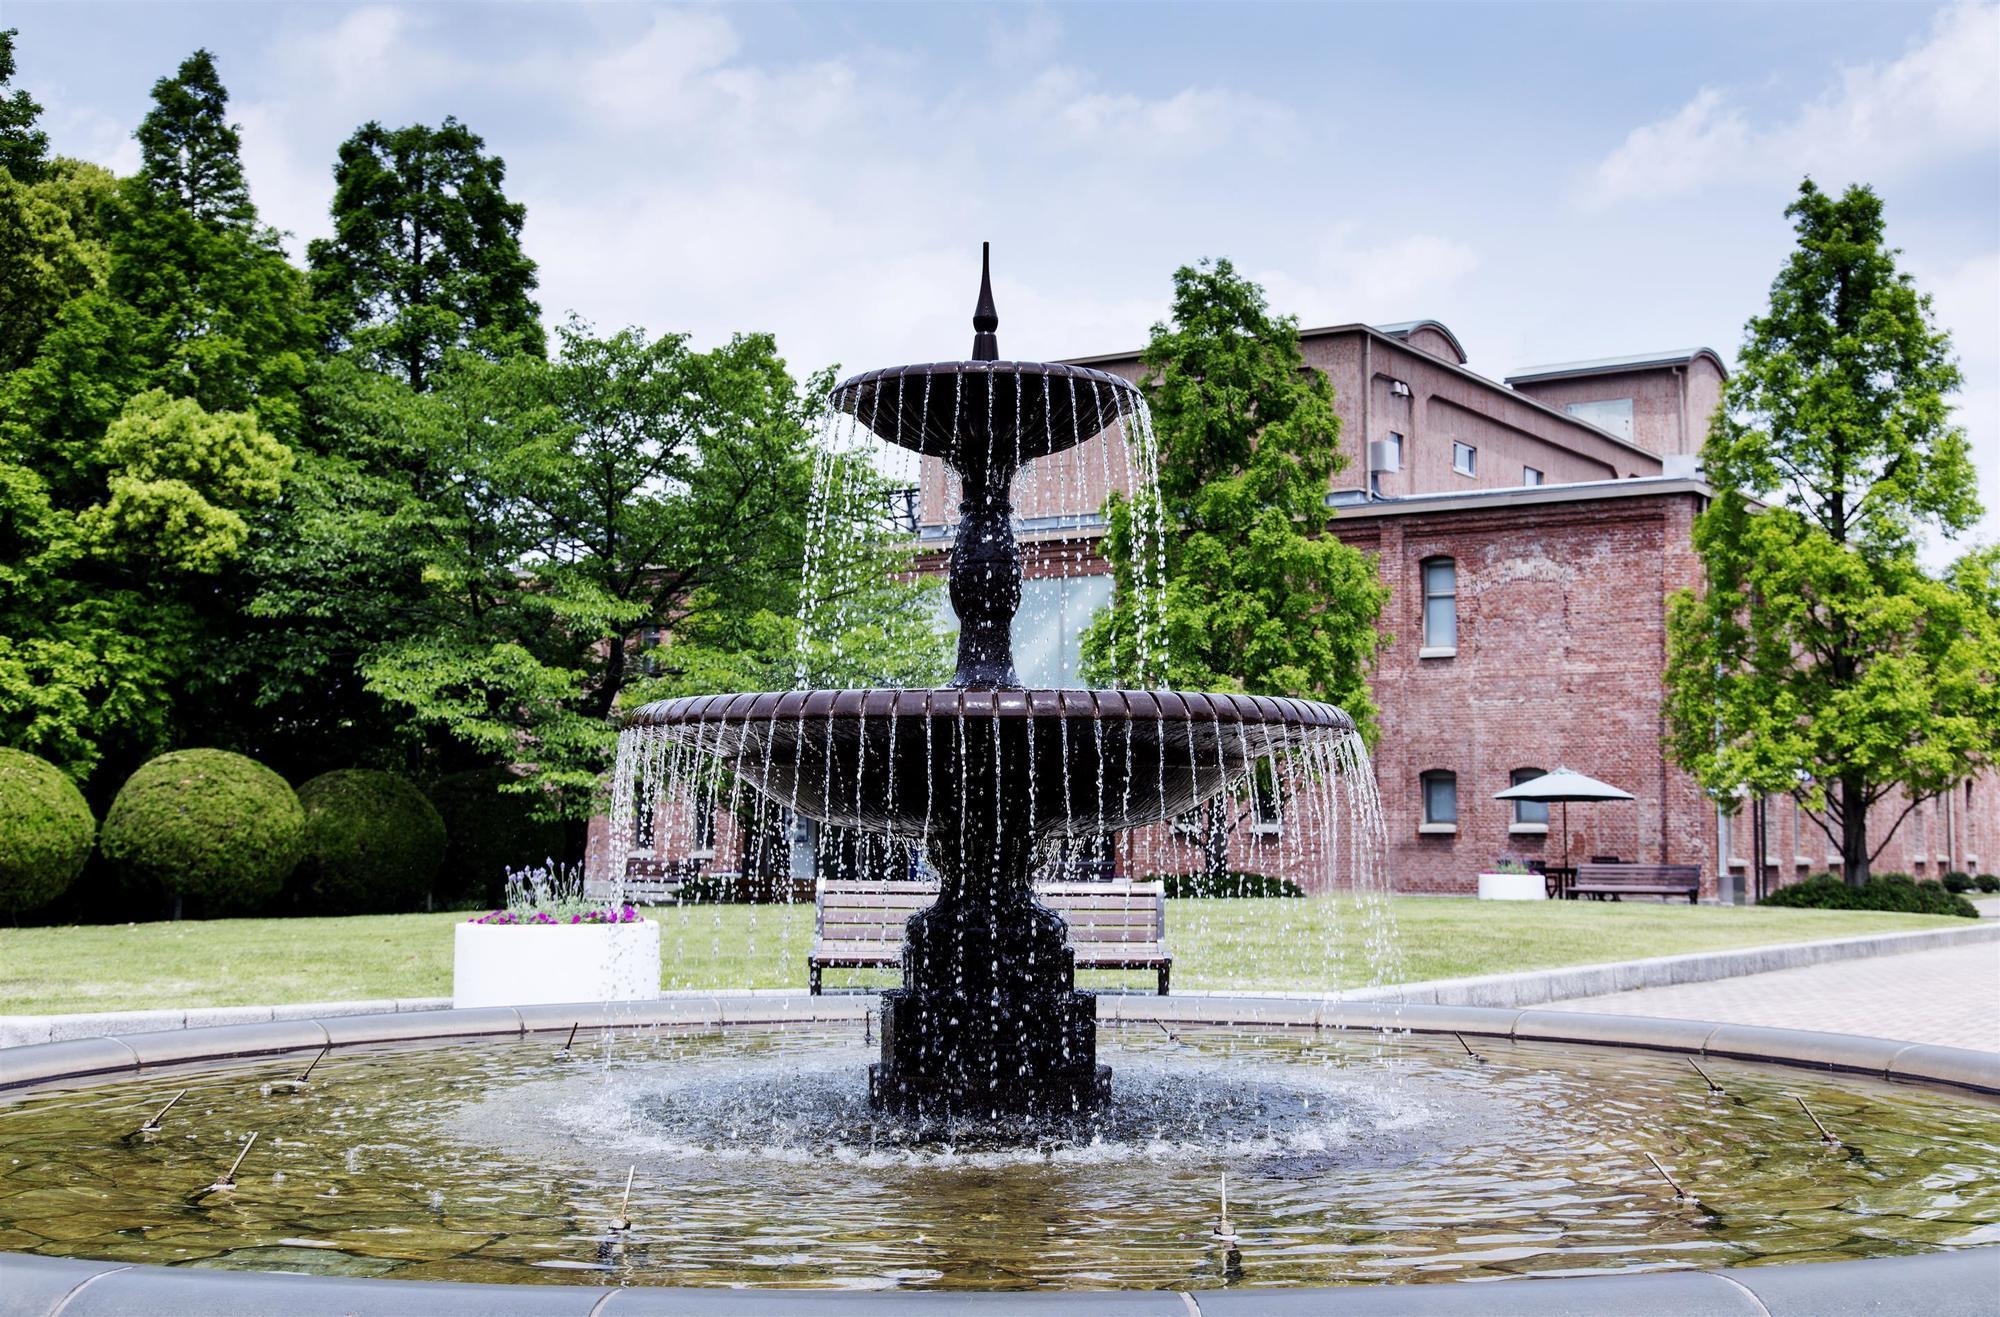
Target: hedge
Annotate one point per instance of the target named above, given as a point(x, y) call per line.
point(1887, 891)
point(1182, 886)
point(489, 833)
point(373, 843)
point(206, 824)
point(46, 830)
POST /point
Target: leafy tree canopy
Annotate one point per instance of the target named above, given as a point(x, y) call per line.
point(1257, 597)
point(24, 148)
point(426, 254)
point(1821, 660)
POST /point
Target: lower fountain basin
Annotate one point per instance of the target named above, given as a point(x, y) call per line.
point(1355, 1158)
point(1074, 761)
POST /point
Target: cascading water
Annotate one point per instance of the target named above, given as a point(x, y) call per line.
point(985, 783)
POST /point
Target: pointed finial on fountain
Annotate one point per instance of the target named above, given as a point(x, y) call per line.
point(985, 345)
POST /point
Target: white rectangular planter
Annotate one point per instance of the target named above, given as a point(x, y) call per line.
point(1513, 887)
point(530, 964)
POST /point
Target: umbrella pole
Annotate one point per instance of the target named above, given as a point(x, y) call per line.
point(1565, 834)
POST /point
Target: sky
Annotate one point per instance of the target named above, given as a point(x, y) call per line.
point(1554, 182)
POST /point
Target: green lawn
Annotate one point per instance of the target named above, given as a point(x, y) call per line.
point(1301, 945)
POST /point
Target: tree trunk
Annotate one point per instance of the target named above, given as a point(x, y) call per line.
point(1853, 831)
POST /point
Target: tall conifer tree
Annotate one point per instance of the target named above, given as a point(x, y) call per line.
point(426, 254)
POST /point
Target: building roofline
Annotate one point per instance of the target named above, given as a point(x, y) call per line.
point(1402, 329)
point(1534, 404)
point(1616, 365)
point(1581, 491)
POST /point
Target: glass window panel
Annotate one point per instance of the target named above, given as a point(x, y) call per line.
point(1529, 811)
point(1440, 798)
point(1441, 622)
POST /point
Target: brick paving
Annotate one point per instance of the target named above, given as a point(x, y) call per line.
point(1950, 996)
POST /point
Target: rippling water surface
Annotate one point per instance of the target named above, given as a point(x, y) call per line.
point(756, 1160)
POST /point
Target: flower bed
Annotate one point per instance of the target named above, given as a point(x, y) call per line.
point(625, 914)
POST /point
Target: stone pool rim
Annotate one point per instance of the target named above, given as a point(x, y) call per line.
point(1952, 1280)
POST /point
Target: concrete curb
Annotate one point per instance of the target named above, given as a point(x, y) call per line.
point(1525, 988)
point(1537, 987)
point(39, 1064)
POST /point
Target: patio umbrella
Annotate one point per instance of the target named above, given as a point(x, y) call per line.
point(1561, 787)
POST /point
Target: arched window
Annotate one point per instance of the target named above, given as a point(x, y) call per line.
point(1440, 789)
point(1440, 608)
point(1528, 811)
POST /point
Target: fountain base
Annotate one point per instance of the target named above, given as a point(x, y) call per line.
point(988, 1021)
point(939, 1063)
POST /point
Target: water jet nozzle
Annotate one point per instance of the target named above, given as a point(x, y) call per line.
point(1223, 1230)
point(227, 1180)
point(154, 1124)
point(1679, 1193)
point(1826, 1136)
point(1713, 1087)
point(623, 1221)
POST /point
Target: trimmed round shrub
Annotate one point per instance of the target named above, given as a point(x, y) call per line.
point(208, 825)
point(1958, 882)
point(489, 833)
point(1987, 882)
point(45, 832)
point(373, 843)
point(1890, 891)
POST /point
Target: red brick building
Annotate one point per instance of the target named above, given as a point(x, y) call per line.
point(1530, 533)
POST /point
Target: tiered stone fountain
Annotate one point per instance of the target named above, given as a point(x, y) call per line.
point(988, 1020)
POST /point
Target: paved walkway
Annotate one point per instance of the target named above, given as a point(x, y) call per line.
point(1950, 996)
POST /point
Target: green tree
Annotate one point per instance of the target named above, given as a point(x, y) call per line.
point(1258, 598)
point(221, 314)
point(52, 251)
point(571, 506)
point(24, 148)
point(426, 254)
point(140, 441)
point(1820, 659)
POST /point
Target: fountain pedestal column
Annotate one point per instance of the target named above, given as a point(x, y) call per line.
point(988, 1021)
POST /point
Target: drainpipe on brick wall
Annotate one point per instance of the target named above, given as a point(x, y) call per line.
point(1367, 393)
point(1681, 382)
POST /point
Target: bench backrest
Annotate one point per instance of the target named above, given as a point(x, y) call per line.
point(854, 911)
point(1639, 875)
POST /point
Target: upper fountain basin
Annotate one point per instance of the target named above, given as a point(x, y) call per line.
point(1056, 761)
point(995, 413)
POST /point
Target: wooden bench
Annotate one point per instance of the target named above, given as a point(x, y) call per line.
point(1112, 925)
point(1616, 880)
point(650, 881)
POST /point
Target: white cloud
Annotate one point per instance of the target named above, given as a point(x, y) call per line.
point(1966, 300)
point(1065, 103)
point(1344, 279)
point(1938, 101)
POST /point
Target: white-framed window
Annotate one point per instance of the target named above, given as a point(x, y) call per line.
point(1613, 414)
point(1440, 792)
point(1440, 577)
point(1528, 812)
point(1395, 441)
point(1531, 475)
point(1464, 459)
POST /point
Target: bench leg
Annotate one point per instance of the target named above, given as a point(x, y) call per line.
point(812, 979)
point(1165, 972)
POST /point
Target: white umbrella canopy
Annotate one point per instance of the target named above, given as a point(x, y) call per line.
point(1563, 786)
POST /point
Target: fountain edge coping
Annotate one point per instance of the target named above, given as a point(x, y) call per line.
point(1521, 988)
point(1951, 1282)
point(105, 1059)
